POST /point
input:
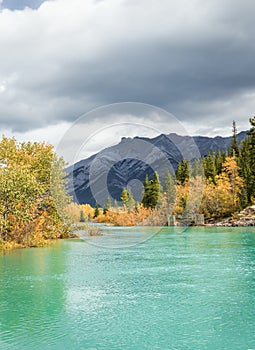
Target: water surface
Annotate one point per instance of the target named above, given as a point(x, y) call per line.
point(190, 290)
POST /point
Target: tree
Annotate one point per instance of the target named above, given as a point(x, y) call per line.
point(96, 211)
point(231, 169)
point(217, 197)
point(108, 205)
point(209, 166)
point(73, 211)
point(183, 171)
point(154, 191)
point(251, 151)
point(219, 160)
point(246, 161)
point(146, 192)
point(234, 148)
point(245, 172)
point(124, 196)
point(130, 202)
point(32, 193)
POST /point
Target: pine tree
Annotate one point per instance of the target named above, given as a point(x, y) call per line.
point(146, 192)
point(124, 196)
point(152, 191)
point(107, 205)
point(183, 171)
point(245, 172)
point(219, 160)
point(130, 202)
point(96, 211)
point(251, 151)
point(234, 148)
point(209, 166)
point(155, 190)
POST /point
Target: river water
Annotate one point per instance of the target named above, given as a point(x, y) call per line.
point(193, 289)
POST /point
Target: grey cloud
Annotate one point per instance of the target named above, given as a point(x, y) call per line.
point(194, 59)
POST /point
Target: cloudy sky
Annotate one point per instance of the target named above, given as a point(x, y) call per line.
point(61, 59)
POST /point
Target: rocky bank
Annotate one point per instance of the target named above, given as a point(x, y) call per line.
point(245, 218)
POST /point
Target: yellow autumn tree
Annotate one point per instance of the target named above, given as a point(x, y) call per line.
point(221, 197)
point(32, 193)
point(231, 170)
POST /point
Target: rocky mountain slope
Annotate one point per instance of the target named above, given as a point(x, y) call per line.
point(126, 164)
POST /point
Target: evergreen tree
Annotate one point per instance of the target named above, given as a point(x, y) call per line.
point(146, 192)
point(152, 191)
point(107, 205)
point(245, 172)
point(234, 148)
point(155, 190)
point(130, 202)
point(124, 196)
point(219, 160)
point(183, 171)
point(209, 166)
point(251, 152)
point(96, 211)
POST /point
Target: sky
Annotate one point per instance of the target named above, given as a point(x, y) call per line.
point(62, 59)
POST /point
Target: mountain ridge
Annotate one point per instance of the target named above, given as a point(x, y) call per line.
point(126, 164)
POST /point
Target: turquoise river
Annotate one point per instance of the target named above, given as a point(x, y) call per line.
point(134, 288)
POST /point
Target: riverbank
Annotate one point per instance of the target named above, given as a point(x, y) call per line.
point(89, 229)
point(245, 218)
point(45, 242)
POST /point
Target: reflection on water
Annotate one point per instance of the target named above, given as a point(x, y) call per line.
point(193, 290)
point(32, 295)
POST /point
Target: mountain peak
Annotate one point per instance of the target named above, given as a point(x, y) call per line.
point(132, 158)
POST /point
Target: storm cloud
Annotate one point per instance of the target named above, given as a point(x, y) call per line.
point(195, 59)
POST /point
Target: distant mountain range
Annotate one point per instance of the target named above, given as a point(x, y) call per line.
point(126, 164)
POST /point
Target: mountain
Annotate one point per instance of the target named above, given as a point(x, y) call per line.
point(126, 164)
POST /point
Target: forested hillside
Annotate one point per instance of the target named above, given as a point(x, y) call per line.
point(218, 185)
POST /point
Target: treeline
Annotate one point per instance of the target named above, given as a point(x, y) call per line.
point(32, 194)
point(34, 206)
point(238, 164)
point(218, 185)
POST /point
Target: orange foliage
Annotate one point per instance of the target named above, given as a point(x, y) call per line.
point(73, 211)
point(124, 218)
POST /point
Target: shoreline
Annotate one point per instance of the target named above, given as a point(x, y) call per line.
point(246, 218)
